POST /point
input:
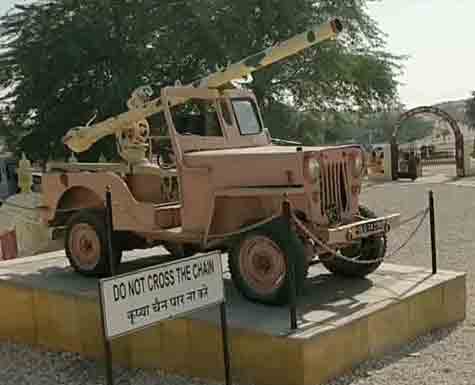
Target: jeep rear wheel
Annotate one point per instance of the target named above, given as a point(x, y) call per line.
point(368, 249)
point(86, 243)
point(258, 263)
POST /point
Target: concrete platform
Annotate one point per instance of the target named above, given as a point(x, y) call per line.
point(341, 322)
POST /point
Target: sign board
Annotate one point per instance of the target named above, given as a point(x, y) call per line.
point(142, 298)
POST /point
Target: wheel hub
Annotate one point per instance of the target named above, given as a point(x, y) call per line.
point(262, 264)
point(84, 246)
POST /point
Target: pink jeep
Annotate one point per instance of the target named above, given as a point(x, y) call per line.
point(205, 175)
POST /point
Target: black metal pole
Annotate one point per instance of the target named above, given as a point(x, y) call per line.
point(291, 267)
point(293, 297)
point(224, 333)
point(111, 273)
point(110, 231)
point(432, 232)
point(107, 345)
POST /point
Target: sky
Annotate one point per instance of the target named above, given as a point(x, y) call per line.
point(437, 35)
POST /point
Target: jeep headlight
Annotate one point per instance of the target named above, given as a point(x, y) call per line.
point(313, 170)
point(358, 165)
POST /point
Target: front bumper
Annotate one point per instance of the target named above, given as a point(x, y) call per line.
point(362, 229)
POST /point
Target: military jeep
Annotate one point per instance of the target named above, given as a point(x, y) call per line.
point(203, 173)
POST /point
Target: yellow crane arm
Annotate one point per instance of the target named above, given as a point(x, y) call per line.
point(81, 138)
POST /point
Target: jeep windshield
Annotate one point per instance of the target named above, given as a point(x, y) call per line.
point(246, 116)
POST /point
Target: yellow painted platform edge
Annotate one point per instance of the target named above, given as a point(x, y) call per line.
point(376, 350)
point(260, 340)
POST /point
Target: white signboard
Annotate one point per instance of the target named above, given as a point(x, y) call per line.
point(142, 298)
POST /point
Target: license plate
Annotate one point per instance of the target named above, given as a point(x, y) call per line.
point(372, 227)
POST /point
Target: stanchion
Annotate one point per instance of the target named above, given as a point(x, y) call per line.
point(110, 231)
point(224, 333)
point(432, 232)
point(111, 273)
point(291, 268)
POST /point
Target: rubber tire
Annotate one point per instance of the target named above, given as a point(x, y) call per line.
point(290, 244)
point(374, 248)
point(96, 219)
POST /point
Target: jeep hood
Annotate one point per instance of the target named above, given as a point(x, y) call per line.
point(258, 166)
point(263, 150)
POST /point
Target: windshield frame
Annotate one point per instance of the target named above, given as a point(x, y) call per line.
point(231, 139)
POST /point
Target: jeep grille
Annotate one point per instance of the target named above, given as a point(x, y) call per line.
point(334, 189)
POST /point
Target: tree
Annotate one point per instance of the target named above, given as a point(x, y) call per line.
point(67, 60)
point(470, 110)
point(64, 61)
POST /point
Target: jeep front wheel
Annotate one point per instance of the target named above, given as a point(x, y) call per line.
point(368, 249)
point(258, 263)
point(86, 244)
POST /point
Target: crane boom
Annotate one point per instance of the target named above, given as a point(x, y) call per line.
point(81, 138)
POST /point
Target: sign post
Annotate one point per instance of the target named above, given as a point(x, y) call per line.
point(107, 349)
point(111, 271)
point(224, 334)
point(142, 298)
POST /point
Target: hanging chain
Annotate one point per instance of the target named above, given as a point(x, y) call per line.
point(412, 234)
point(422, 213)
